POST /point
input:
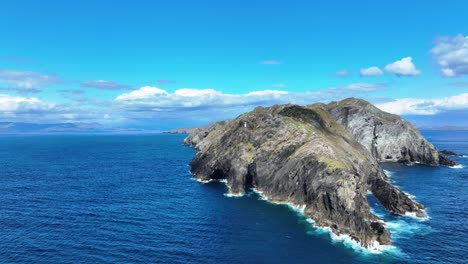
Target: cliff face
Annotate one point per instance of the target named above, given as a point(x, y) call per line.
point(303, 156)
point(388, 137)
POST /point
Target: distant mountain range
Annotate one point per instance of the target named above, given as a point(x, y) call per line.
point(70, 128)
point(63, 128)
point(183, 130)
point(443, 128)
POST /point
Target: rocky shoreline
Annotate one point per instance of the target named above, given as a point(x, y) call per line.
point(324, 157)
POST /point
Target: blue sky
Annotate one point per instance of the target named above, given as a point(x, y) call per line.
point(200, 61)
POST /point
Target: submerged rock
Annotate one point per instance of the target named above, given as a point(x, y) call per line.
point(301, 155)
point(388, 137)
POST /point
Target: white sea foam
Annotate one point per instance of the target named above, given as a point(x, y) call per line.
point(298, 208)
point(230, 193)
point(375, 248)
point(414, 216)
point(260, 194)
point(210, 180)
point(388, 173)
point(410, 195)
point(459, 166)
point(235, 195)
point(203, 181)
point(411, 214)
point(348, 242)
point(403, 228)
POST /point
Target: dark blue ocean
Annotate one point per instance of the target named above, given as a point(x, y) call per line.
point(131, 199)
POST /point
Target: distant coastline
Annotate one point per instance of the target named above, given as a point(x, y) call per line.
point(183, 130)
point(443, 128)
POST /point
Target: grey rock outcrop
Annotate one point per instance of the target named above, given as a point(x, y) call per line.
point(303, 156)
point(388, 137)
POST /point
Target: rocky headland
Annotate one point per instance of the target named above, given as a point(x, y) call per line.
point(451, 153)
point(323, 158)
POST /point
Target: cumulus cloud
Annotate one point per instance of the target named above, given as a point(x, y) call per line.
point(164, 82)
point(451, 53)
point(106, 85)
point(72, 94)
point(279, 85)
point(415, 106)
point(26, 81)
point(150, 98)
point(459, 84)
point(35, 110)
point(360, 87)
point(338, 93)
point(270, 62)
point(21, 90)
point(158, 99)
point(342, 73)
point(403, 67)
point(12, 103)
point(16, 59)
point(208, 105)
point(142, 93)
point(371, 71)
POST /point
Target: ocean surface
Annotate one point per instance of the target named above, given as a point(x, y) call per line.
point(131, 199)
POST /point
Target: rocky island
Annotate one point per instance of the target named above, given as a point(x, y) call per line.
point(321, 157)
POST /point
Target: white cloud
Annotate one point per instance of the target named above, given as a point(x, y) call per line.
point(342, 73)
point(361, 87)
point(451, 53)
point(158, 99)
point(371, 71)
point(35, 110)
point(279, 85)
point(270, 62)
point(186, 92)
point(267, 93)
point(26, 80)
point(403, 67)
point(415, 106)
point(11, 104)
point(152, 104)
point(106, 85)
point(153, 99)
point(142, 93)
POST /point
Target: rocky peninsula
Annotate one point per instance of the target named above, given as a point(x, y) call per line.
point(323, 158)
